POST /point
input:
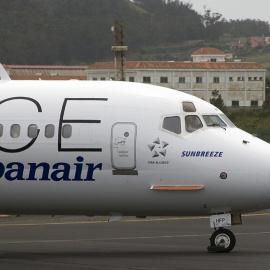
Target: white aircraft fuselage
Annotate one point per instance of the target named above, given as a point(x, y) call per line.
point(116, 148)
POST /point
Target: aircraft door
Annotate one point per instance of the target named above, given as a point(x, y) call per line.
point(123, 145)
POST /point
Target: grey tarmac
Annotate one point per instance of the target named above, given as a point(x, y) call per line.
point(71, 242)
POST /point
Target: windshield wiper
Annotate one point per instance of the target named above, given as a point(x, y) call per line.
point(216, 125)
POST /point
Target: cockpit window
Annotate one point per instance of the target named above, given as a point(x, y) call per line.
point(213, 121)
point(227, 120)
point(172, 124)
point(193, 123)
point(188, 106)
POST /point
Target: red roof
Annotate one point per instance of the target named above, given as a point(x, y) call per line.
point(32, 72)
point(208, 51)
point(43, 67)
point(178, 65)
point(42, 77)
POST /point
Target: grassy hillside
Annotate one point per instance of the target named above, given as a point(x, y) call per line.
point(182, 52)
point(253, 121)
point(41, 32)
point(47, 32)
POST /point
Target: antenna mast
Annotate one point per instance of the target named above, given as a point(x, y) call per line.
point(119, 50)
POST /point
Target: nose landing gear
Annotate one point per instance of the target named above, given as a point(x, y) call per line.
point(222, 240)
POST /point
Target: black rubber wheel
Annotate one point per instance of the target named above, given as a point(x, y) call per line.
point(223, 239)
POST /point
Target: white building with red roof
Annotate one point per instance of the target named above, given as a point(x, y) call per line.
point(241, 84)
point(208, 55)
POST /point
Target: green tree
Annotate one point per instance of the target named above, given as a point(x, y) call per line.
point(214, 25)
point(248, 27)
point(217, 100)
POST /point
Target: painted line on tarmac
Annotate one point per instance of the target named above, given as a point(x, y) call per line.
point(98, 221)
point(252, 233)
point(119, 238)
point(125, 221)
point(103, 239)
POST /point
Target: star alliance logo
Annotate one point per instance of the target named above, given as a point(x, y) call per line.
point(158, 148)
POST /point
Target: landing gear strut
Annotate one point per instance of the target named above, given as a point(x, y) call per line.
point(222, 240)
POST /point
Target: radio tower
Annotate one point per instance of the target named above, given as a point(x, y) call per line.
point(119, 49)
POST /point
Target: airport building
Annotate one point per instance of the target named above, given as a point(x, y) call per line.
point(208, 55)
point(240, 84)
point(33, 72)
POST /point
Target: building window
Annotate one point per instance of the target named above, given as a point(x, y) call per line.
point(102, 79)
point(216, 80)
point(231, 79)
point(250, 78)
point(94, 78)
point(255, 78)
point(198, 79)
point(112, 78)
point(147, 79)
point(163, 79)
point(240, 79)
point(254, 103)
point(235, 103)
point(182, 79)
point(261, 78)
point(213, 60)
point(131, 79)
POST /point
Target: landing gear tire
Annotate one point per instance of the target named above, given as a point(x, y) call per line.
point(222, 240)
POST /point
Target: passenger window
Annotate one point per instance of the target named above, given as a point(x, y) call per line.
point(15, 131)
point(188, 107)
point(32, 131)
point(49, 131)
point(172, 124)
point(66, 131)
point(193, 123)
point(1, 130)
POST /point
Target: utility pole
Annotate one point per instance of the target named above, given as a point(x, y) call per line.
point(119, 50)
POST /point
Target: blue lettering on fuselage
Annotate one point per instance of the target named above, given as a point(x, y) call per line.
point(215, 154)
point(44, 171)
